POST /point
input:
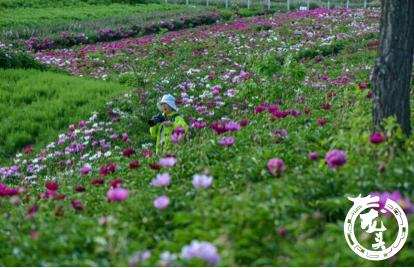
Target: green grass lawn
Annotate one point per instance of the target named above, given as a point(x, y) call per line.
point(30, 17)
point(35, 106)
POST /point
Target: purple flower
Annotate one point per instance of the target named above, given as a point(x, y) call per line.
point(232, 126)
point(396, 196)
point(276, 166)
point(168, 161)
point(376, 138)
point(227, 141)
point(201, 250)
point(313, 155)
point(335, 158)
point(161, 202)
point(281, 132)
point(161, 180)
point(202, 181)
point(117, 194)
point(85, 169)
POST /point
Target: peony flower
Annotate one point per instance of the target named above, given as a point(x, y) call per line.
point(363, 85)
point(376, 138)
point(396, 196)
point(134, 164)
point(163, 179)
point(161, 202)
point(117, 194)
point(28, 149)
point(52, 186)
point(335, 158)
point(321, 122)
point(202, 181)
point(201, 250)
point(276, 166)
point(128, 152)
point(226, 141)
point(313, 155)
point(244, 122)
point(85, 169)
point(326, 106)
point(168, 161)
point(147, 153)
point(176, 138)
point(108, 169)
point(97, 181)
point(77, 204)
point(232, 126)
point(115, 183)
point(125, 137)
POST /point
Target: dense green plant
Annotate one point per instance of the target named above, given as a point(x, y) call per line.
point(35, 106)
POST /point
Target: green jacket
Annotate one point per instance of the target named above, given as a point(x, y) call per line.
point(162, 133)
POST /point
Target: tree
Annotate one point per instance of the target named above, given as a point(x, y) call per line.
point(392, 71)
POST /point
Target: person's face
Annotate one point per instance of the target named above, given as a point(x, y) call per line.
point(165, 108)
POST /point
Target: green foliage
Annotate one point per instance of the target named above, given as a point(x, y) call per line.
point(36, 106)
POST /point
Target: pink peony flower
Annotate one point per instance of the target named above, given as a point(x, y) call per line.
point(201, 250)
point(326, 106)
point(276, 166)
point(161, 202)
point(117, 194)
point(163, 179)
point(232, 126)
point(168, 161)
point(52, 186)
point(202, 181)
point(376, 138)
point(226, 141)
point(77, 204)
point(85, 169)
point(335, 158)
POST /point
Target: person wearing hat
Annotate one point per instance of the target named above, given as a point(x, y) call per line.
point(162, 125)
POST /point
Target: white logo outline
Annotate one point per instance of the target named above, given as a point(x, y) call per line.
point(362, 203)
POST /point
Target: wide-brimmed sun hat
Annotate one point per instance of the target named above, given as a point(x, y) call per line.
point(168, 99)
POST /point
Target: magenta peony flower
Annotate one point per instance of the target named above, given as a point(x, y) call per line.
point(77, 204)
point(134, 164)
point(85, 169)
point(163, 179)
point(176, 138)
point(97, 181)
point(201, 250)
point(321, 122)
point(115, 183)
point(363, 85)
point(326, 106)
point(376, 138)
point(117, 194)
point(202, 181)
point(168, 161)
point(161, 202)
point(335, 158)
point(244, 122)
point(128, 152)
point(396, 196)
point(125, 137)
point(226, 141)
point(147, 153)
point(313, 155)
point(276, 166)
point(52, 186)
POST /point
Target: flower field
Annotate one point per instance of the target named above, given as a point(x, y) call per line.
point(279, 115)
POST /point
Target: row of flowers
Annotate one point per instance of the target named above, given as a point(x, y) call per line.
point(69, 39)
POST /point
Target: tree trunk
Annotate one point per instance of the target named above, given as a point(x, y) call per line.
point(392, 71)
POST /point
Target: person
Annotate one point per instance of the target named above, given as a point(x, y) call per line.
point(162, 125)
